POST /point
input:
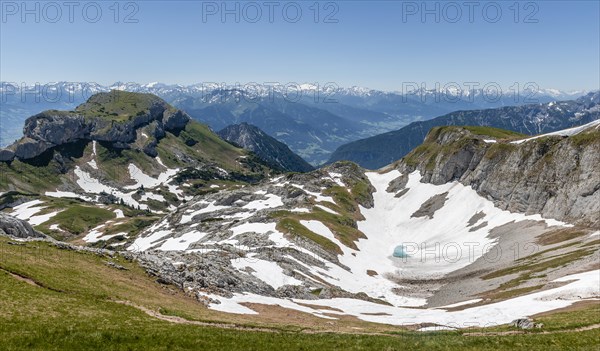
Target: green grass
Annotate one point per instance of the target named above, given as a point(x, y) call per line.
point(118, 106)
point(496, 133)
point(78, 219)
point(74, 309)
point(428, 152)
point(584, 139)
point(28, 177)
point(293, 227)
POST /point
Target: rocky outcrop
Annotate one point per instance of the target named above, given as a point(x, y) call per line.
point(525, 323)
point(55, 127)
point(208, 265)
point(100, 119)
point(555, 176)
point(6, 155)
point(17, 228)
point(27, 148)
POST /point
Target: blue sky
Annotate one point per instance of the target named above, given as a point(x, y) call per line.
point(377, 44)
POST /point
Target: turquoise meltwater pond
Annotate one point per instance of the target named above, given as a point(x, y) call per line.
point(399, 252)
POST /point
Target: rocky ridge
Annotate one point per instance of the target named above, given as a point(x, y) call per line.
point(556, 175)
point(274, 152)
point(113, 118)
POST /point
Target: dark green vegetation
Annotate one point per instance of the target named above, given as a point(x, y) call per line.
point(56, 299)
point(383, 149)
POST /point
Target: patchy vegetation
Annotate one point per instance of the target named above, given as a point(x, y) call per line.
point(54, 299)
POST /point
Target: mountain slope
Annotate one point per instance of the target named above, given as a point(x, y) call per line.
point(273, 152)
point(380, 150)
point(555, 175)
point(71, 299)
point(376, 245)
point(123, 157)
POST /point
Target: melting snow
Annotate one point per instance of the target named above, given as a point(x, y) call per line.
point(186, 218)
point(183, 242)
point(326, 209)
point(318, 197)
point(67, 194)
point(582, 286)
point(337, 178)
point(462, 303)
point(37, 220)
point(26, 210)
point(564, 132)
point(141, 178)
point(267, 271)
point(272, 201)
point(93, 163)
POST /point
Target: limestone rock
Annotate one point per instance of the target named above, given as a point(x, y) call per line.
point(17, 228)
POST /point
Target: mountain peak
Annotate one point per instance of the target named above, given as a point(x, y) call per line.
point(275, 153)
point(113, 117)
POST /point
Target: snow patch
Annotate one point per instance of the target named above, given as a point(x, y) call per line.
point(267, 271)
point(564, 132)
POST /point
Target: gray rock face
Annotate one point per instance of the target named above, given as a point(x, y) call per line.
point(27, 148)
point(557, 177)
point(52, 128)
point(175, 120)
point(56, 128)
point(17, 228)
point(6, 155)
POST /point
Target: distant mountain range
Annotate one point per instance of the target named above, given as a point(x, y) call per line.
point(275, 153)
point(380, 150)
point(312, 120)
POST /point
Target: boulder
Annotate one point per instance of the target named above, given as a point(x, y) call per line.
point(17, 228)
point(175, 120)
point(525, 323)
point(6, 155)
point(28, 148)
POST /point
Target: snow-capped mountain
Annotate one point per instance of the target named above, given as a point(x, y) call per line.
point(312, 119)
